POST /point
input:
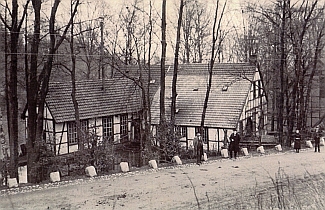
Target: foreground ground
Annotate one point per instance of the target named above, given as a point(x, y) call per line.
point(278, 180)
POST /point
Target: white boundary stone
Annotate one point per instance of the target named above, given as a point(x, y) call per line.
point(12, 182)
point(177, 160)
point(309, 144)
point(124, 166)
point(224, 153)
point(260, 149)
point(278, 148)
point(245, 151)
point(153, 164)
point(22, 173)
point(91, 171)
point(55, 176)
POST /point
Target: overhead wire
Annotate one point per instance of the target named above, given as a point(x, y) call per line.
point(98, 55)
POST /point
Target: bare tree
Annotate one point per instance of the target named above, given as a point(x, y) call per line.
point(174, 91)
point(195, 31)
point(11, 82)
point(138, 39)
point(317, 34)
point(162, 64)
point(73, 81)
point(216, 45)
point(87, 44)
point(37, 85)
point(298, 37)
point(291, 44)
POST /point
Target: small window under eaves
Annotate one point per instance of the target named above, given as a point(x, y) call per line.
point(225, 88)
point(195, 89)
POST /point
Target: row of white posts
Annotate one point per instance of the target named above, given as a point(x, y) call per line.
point(124, 166)
point(90, 171)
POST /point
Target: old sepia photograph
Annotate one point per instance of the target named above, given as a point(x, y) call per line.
point(162, 104)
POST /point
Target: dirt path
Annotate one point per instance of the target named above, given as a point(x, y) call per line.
point(213, 185)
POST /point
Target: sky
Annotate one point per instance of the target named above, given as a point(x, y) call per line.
point(233, 17)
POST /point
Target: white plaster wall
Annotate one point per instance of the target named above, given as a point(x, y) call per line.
point(64, 146)
point(213, 134)
point(73, 148)
point(116, 121)
point(190, 133)
point(63, 149)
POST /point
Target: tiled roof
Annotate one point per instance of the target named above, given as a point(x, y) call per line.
point(133, 71)
point(120, 96)
point(224, 107)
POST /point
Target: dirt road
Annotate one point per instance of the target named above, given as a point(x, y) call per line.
point(217, 184)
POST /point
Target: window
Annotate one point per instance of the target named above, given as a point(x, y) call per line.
point(124, 126)
point(181, 131)
point(108, 128)
point(84, 127)
point(72, 131)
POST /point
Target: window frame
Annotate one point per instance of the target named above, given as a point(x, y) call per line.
point(181, 130)
point(72, 131)
point(108, 127)
point(124, 127)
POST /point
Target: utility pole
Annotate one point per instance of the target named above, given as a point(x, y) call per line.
point(282, 65)
point(128, 50)
point(101, 66)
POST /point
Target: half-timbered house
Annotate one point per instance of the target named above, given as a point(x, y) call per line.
point(236, 101)
point(110, 109)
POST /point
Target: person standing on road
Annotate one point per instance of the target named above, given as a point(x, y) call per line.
point(234, 143)
point(195, 140)
point(317, 140)
point(297, 141)
point(199, 148)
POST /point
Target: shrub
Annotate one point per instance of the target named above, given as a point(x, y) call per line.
point(4, 165)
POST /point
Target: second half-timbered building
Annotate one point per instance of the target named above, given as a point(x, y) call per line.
point(237, 101)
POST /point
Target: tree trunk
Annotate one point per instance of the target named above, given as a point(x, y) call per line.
point(149, 68)
point(80, 137)
point(215, 34)
point(163, 61)
point(37, 87)
point(174, 91)
point(317, 53)
point(12, 113)
point(32, 90)
point(281, 75)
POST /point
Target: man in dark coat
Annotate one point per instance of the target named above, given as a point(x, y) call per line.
point(195, 140)
point(234, 143)
point(317, 141)
point(198, 145)
point(297, 141)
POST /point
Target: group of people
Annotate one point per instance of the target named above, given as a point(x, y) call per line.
point(234, 140)
point(297, 141)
